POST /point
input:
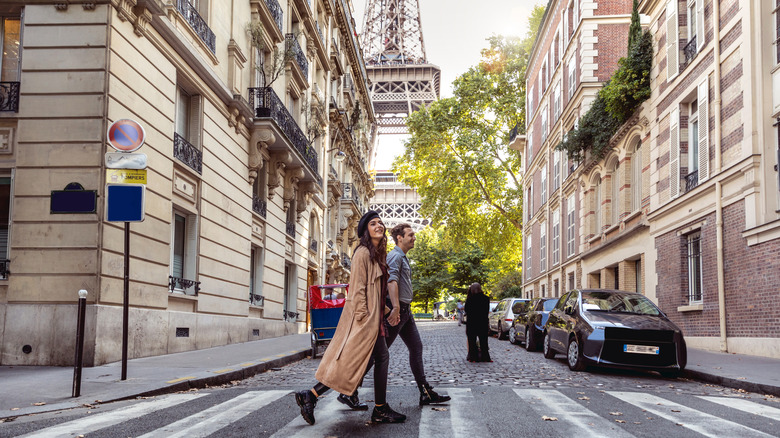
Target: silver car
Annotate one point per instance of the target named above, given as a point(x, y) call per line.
point(501, 318)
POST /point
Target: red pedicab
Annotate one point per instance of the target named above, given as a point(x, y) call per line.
point(326, 302)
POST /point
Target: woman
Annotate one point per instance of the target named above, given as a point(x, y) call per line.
point(477, 309)
point(360, 333)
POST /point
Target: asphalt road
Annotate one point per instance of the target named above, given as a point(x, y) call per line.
point(519, 394)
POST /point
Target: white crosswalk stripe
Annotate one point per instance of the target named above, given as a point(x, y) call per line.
point(573, 419)
point(457, 418)
point(695, 420)
point(206, 422)
point(328, 413)
point(99, 421)
point(745, 406)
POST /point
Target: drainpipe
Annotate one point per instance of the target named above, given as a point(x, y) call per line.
point(719, 184)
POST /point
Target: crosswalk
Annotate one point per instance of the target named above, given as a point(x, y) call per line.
point(542, 412)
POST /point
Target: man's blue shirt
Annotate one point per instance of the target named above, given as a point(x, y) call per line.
point(401, 272)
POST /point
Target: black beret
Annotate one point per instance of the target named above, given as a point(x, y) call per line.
point(363, 224)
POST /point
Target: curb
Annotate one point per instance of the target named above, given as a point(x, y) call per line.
point(729, 382)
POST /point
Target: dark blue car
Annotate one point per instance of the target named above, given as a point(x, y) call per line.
point(528, 326)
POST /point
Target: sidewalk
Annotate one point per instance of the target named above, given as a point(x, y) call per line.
point(23, 386)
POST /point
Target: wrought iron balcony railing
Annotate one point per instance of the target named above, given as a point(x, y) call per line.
point(197, 22)
point(290, 315)
point(290, 229)
point(187, 153)
point(691, 181)
point(319, 31)
point(267, 104)
point(690, 50)
point(513, 133)
point(300, 56)
point(276, 12)
point(351, 194)
point(259, 206)
point(9, 96)
point(336, 51)
point(256, 300)
point(5, 269)
point(183, 284)
point(313, 245)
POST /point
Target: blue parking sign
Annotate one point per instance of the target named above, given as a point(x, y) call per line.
point(125, 202)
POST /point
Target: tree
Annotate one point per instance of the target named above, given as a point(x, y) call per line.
point(467, 266)
point(269, 70)
point(430, 276)
point(457, 155)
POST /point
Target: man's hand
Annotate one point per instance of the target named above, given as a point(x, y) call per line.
point(394, 317)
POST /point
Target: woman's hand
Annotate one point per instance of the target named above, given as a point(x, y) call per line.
point(394, 317)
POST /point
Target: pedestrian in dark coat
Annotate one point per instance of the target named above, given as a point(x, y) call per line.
point(360, 333)
point(477, 309)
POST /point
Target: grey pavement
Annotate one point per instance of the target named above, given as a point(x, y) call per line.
point(27, 390)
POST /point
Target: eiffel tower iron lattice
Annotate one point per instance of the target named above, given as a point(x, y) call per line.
point(402, 80)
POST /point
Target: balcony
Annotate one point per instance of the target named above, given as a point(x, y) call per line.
point(290, 228)
point(291, 43)
point(259, 206)
point(9, 96)
point(690, 50)
point(276, 13)
point(198, 24)
point(346, 261)
point(256, 300)
point(187, 153)
point(267, 105)
point(290, 316)
point(691, 181)
point(183, 285)
point(351, 195)
point(5, 269)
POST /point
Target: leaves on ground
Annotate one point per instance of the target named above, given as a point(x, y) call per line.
point(438, 409)
point(546, 418)
point(584, 398)
point(616, 413)
point(620, 421)
point(39, 404)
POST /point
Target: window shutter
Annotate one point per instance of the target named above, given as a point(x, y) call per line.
point(672, 41)
point(704, 130)
point(177, 246)
point(674, 153)
point(191, 248)
point(700, 36)
point(194, 122)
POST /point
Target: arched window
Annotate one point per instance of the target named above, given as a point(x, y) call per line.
point(597, 210)
point(636, 177)
point(614, 195)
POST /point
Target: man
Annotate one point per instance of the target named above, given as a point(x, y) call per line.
point(399, 288)
point(459, 308)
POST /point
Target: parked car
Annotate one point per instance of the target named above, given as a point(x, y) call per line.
point(615, 329)
point(528, 327)
point(501, 318)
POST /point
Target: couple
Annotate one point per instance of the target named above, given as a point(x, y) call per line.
point(362, 337)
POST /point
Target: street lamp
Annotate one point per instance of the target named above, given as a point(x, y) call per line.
point(340, 155)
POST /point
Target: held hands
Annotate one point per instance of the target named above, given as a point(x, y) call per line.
point(394, 317)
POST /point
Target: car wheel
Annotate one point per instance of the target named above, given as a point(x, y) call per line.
point(549, 353)
point(530, 341)
point(512, 335)
point(574, 355)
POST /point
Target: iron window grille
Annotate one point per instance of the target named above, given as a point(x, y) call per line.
point(694, 268)
point(183, 284)
point(185, 152)
point(9, 96)
point(198, 24)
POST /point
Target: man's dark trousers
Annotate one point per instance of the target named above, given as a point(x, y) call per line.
point(407, 329)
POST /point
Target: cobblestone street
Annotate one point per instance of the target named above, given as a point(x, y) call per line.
point(446, 366)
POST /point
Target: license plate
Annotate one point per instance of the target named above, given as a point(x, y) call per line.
point(641, 349)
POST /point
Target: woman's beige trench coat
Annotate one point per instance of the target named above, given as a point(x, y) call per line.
point(348, 353)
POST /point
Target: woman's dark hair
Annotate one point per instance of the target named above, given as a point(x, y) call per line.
point(376, 254)
point(475, 288)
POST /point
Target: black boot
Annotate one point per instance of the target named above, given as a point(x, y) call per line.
point(307, 401)
point(428, 395)
point(353, 402)
point(383, 414)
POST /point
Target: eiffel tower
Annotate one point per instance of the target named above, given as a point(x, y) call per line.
point(402, 80)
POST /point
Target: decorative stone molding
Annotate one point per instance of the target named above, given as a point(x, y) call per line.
point(6, 140)
point(258, 151)
point(125, 9)
point(142, 17)
point(305, 192)
point(291, 178)
point(279, 161)
point(88, 6)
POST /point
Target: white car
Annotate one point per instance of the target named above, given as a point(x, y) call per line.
point(502, 317)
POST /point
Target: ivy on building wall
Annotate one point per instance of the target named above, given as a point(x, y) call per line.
point(621, 95)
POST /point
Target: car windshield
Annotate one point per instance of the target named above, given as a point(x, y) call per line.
point(618, 302)
point(549, 305)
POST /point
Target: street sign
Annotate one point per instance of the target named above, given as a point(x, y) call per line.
point(126, 135)
point(125, 160)
point(125, 202)
point(74, 199)
point(126, 176)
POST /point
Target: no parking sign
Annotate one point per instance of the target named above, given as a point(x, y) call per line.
point(126, 135)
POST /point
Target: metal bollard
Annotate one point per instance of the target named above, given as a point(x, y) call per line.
point(79, 343)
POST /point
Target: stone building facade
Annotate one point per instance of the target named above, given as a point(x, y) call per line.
point(684, 207)
point(243, 190)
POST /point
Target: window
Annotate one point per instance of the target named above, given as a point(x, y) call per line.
point(572, 76)
point(184, 253)
point(187, 127)
point(556, 103)
point(10, 62)
point(5, 222)
point(556, 237)
point(260, 57)
point(597, 206)
point(674, 153)
point(544, 290)
point(531, 200)
point(636, 177)
point(256, 263)
point(543, 248)
point(531, 100)
point(544, 183)
point(672, 41)
point(571, 280)
point(556, 169)
point(544, 124)
point(555, 288)
point(260, 190)
point(694, 268)
point(290, 304)
point(615, 194)
point(638, 270)
point(693, 139)
point(528, 256)
point(570, 227)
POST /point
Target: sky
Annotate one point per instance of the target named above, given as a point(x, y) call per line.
point(454, 33)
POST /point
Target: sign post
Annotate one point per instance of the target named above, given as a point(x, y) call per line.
point(124, 201)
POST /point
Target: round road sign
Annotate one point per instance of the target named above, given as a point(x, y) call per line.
point(126, 135)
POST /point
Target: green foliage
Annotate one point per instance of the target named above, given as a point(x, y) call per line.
point(614, 105)
point(635, 30)
point(508, 286)
point(467, 265)
point(430, 276)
